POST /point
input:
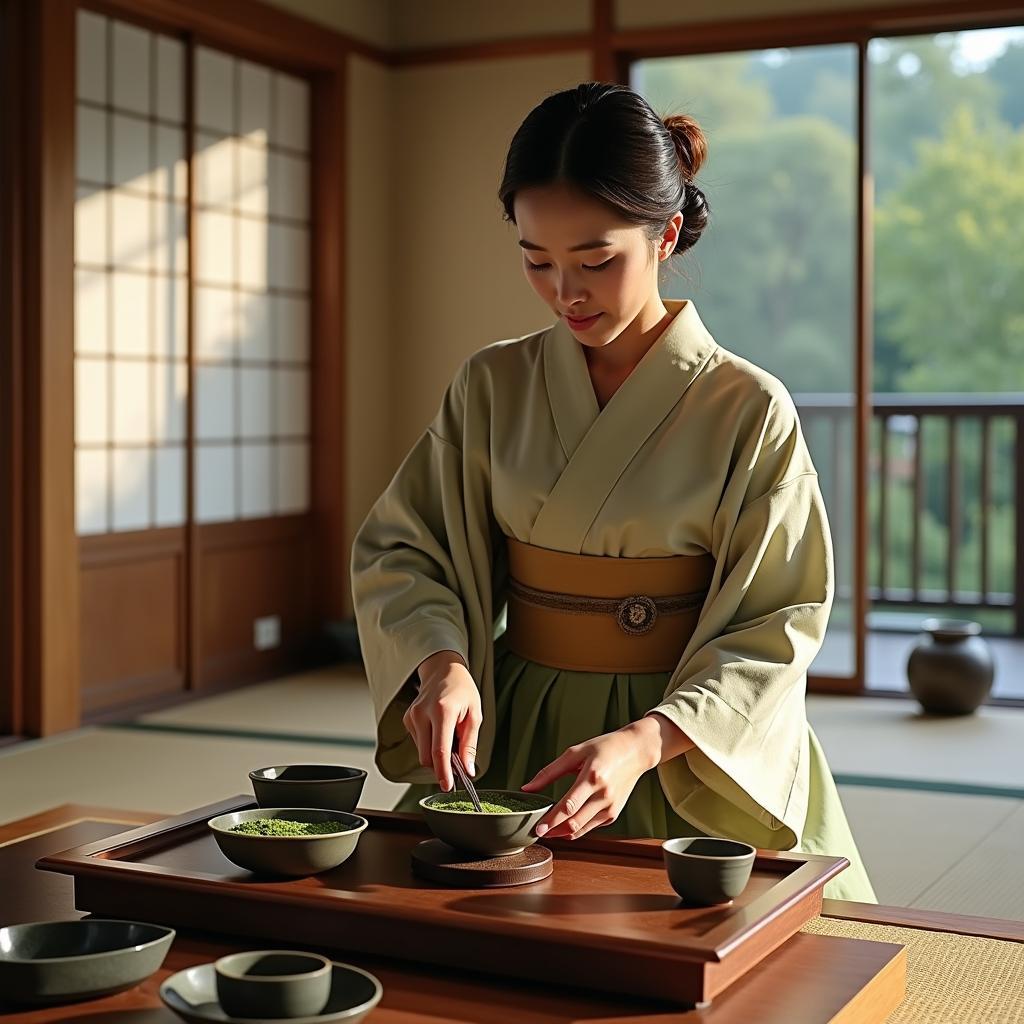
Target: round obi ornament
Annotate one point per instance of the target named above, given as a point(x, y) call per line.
point(637, 615)
point(950, 668)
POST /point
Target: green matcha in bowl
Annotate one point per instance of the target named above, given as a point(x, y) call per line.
point(504, 826)
point(291, 841)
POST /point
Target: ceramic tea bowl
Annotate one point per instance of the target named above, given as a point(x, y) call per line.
point(481, 832)
point(293, 856)
point(706, 870)
point(192, 995)
point(329, 786)
point(273, 983)
point(60, 961)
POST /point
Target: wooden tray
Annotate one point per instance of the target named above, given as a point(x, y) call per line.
point(606, 918)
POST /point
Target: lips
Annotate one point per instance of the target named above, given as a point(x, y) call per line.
point(581, 321)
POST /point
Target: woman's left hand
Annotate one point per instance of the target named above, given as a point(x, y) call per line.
point(607, 768)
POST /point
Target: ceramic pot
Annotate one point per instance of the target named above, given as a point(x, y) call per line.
point(950, 669)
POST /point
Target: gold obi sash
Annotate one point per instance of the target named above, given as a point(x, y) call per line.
point(595, 613)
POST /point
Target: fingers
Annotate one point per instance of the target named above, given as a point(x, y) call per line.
point(568, 762)
point(431, 731)
point(593, 814)
point(568, 809)
point(433, 724)
point(418, 728)
point(443, 722)
point(468, 730)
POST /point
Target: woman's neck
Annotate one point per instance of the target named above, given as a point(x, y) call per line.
point(618, 358)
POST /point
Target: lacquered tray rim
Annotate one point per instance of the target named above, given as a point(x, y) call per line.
point(814, 870)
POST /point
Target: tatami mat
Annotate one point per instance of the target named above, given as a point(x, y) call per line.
point(156, 771)
point(890, 738)
point(909, 840)
point(990, 881)
point(327, 702)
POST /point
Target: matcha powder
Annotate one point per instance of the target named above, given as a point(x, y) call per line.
point(283, 827)
point(506, 807)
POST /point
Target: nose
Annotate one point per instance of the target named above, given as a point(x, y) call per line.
point(570, 290)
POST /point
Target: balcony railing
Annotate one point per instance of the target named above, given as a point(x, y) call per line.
point(946, 496)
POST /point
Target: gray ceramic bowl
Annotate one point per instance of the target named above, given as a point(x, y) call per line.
point(706, 871)
point(192, 995)
point(484, 834)
point(60, 961)
point(273, 983)
point(329, 786)
point(294, 856)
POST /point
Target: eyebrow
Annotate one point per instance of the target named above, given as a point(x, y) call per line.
point(597, 243)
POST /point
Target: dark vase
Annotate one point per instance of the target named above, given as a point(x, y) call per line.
point(950, 669)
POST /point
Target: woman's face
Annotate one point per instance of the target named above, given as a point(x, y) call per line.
point(616, 278)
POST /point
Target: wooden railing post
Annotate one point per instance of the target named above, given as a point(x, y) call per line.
point(1018, 521)
point(889, 412)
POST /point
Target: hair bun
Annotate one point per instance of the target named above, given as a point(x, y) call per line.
point(691, 145)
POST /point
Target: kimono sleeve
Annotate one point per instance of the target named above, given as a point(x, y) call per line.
point(422, 570)
point(738, 691)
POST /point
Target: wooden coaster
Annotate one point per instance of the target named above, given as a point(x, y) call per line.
point(438, 862)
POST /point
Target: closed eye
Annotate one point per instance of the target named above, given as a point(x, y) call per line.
point(544, 266)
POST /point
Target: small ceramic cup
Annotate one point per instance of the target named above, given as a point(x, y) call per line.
point(329, 786)
point(273, 983)
point(706, 870)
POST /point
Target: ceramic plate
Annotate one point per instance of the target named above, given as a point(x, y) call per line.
point(192, 995)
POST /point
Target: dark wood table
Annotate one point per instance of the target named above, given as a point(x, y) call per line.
point(812, 978)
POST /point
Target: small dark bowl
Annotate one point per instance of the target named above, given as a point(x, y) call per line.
point(60, 961)
point(192, 995)
point(294, 856)
point(706, 870)
point(273, 983)
point(329, 786)
point(487, 835)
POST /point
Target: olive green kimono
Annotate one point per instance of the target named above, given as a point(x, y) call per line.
point(697, 451)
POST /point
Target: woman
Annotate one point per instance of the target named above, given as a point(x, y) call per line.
point(642, 504)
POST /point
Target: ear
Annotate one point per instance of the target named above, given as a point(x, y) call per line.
point(670, 236)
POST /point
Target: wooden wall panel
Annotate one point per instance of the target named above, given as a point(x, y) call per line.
point(246, 571)
point(132, 633)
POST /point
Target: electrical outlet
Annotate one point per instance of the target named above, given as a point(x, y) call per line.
point(266, 632)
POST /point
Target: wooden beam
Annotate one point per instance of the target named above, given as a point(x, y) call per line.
point(605, 68)
point(12, 71)
point(862, 370)
point(266, 33)
point(798, 29)
point(51, 624)
point(329, 379)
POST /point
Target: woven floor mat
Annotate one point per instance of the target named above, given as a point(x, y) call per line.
point(951, 979)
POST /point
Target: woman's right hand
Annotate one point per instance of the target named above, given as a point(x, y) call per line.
point(447, 706)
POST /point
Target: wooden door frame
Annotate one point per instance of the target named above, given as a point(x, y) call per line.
point(12, 62)
point(39, 562)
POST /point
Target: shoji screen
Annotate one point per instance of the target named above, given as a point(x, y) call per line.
point(130, 279)
point(252, 289)
point(192, 262)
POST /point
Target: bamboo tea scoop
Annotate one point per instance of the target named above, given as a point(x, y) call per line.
point(467, 783)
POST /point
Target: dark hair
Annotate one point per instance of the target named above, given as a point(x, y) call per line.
point(605, 140)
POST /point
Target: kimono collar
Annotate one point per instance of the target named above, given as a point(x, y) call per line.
point(657, 382)
point(599, 443)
